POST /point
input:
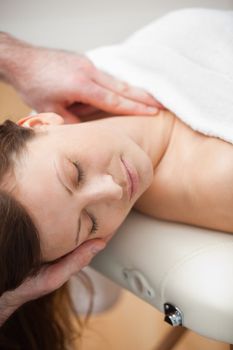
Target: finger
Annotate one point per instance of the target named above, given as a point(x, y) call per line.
point(112, 102)
point(67, 115)
point(120, 87)
point(58, 273)
point(53, 276)
point(81, 109)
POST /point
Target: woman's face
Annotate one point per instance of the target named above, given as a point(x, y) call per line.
point(76, 181)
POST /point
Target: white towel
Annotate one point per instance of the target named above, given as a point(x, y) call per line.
point(185, 60)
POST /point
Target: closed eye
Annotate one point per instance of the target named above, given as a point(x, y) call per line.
point(95, 225)
point(81, 174)
point(93, 229)
point(81, 177)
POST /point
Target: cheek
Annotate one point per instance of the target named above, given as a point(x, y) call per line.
point(111, 220)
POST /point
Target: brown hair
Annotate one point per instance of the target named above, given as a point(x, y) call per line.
point(46, 323)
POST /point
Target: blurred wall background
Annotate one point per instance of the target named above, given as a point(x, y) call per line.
point(81, 25)
point(85, 24)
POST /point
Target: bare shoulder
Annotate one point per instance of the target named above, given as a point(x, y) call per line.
point(193, 182)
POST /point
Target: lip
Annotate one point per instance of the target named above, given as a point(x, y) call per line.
point(132, 177)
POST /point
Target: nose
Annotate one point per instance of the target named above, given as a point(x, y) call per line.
point(100, 188)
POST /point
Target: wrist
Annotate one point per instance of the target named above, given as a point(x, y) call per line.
point(7, 307)
point(14, 55)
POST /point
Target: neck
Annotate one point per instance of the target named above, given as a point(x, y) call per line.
point(152, 134)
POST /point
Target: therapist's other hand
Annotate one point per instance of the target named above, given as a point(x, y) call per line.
point(50, 277)
point(57, 79)
point(53, 80)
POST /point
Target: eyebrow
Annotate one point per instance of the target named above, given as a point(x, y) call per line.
point(70, 193)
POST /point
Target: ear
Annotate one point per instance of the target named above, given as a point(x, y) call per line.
point(41, 121)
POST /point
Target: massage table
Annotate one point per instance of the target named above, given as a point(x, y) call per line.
point(183, 271)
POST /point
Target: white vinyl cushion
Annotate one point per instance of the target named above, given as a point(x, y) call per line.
point(189, 267)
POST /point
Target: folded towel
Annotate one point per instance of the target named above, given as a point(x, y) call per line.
point(185, 60)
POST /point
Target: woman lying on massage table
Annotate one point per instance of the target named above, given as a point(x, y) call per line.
point(62, 185)
point(69, 183)
point(74, 177)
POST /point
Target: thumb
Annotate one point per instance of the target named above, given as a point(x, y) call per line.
point(58, 273)
point(83, 255)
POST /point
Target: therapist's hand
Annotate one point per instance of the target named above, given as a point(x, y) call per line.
point(54, 80)
point(50, 277)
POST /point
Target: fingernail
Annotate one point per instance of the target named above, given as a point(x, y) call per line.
point(152, 110)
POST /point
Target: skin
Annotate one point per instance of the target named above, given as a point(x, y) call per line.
point(35, 72)
point(191, 182)
point(47, 167)
point(185, 191)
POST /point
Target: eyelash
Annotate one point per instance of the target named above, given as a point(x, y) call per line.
point(95, 225)
point(81, 176)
